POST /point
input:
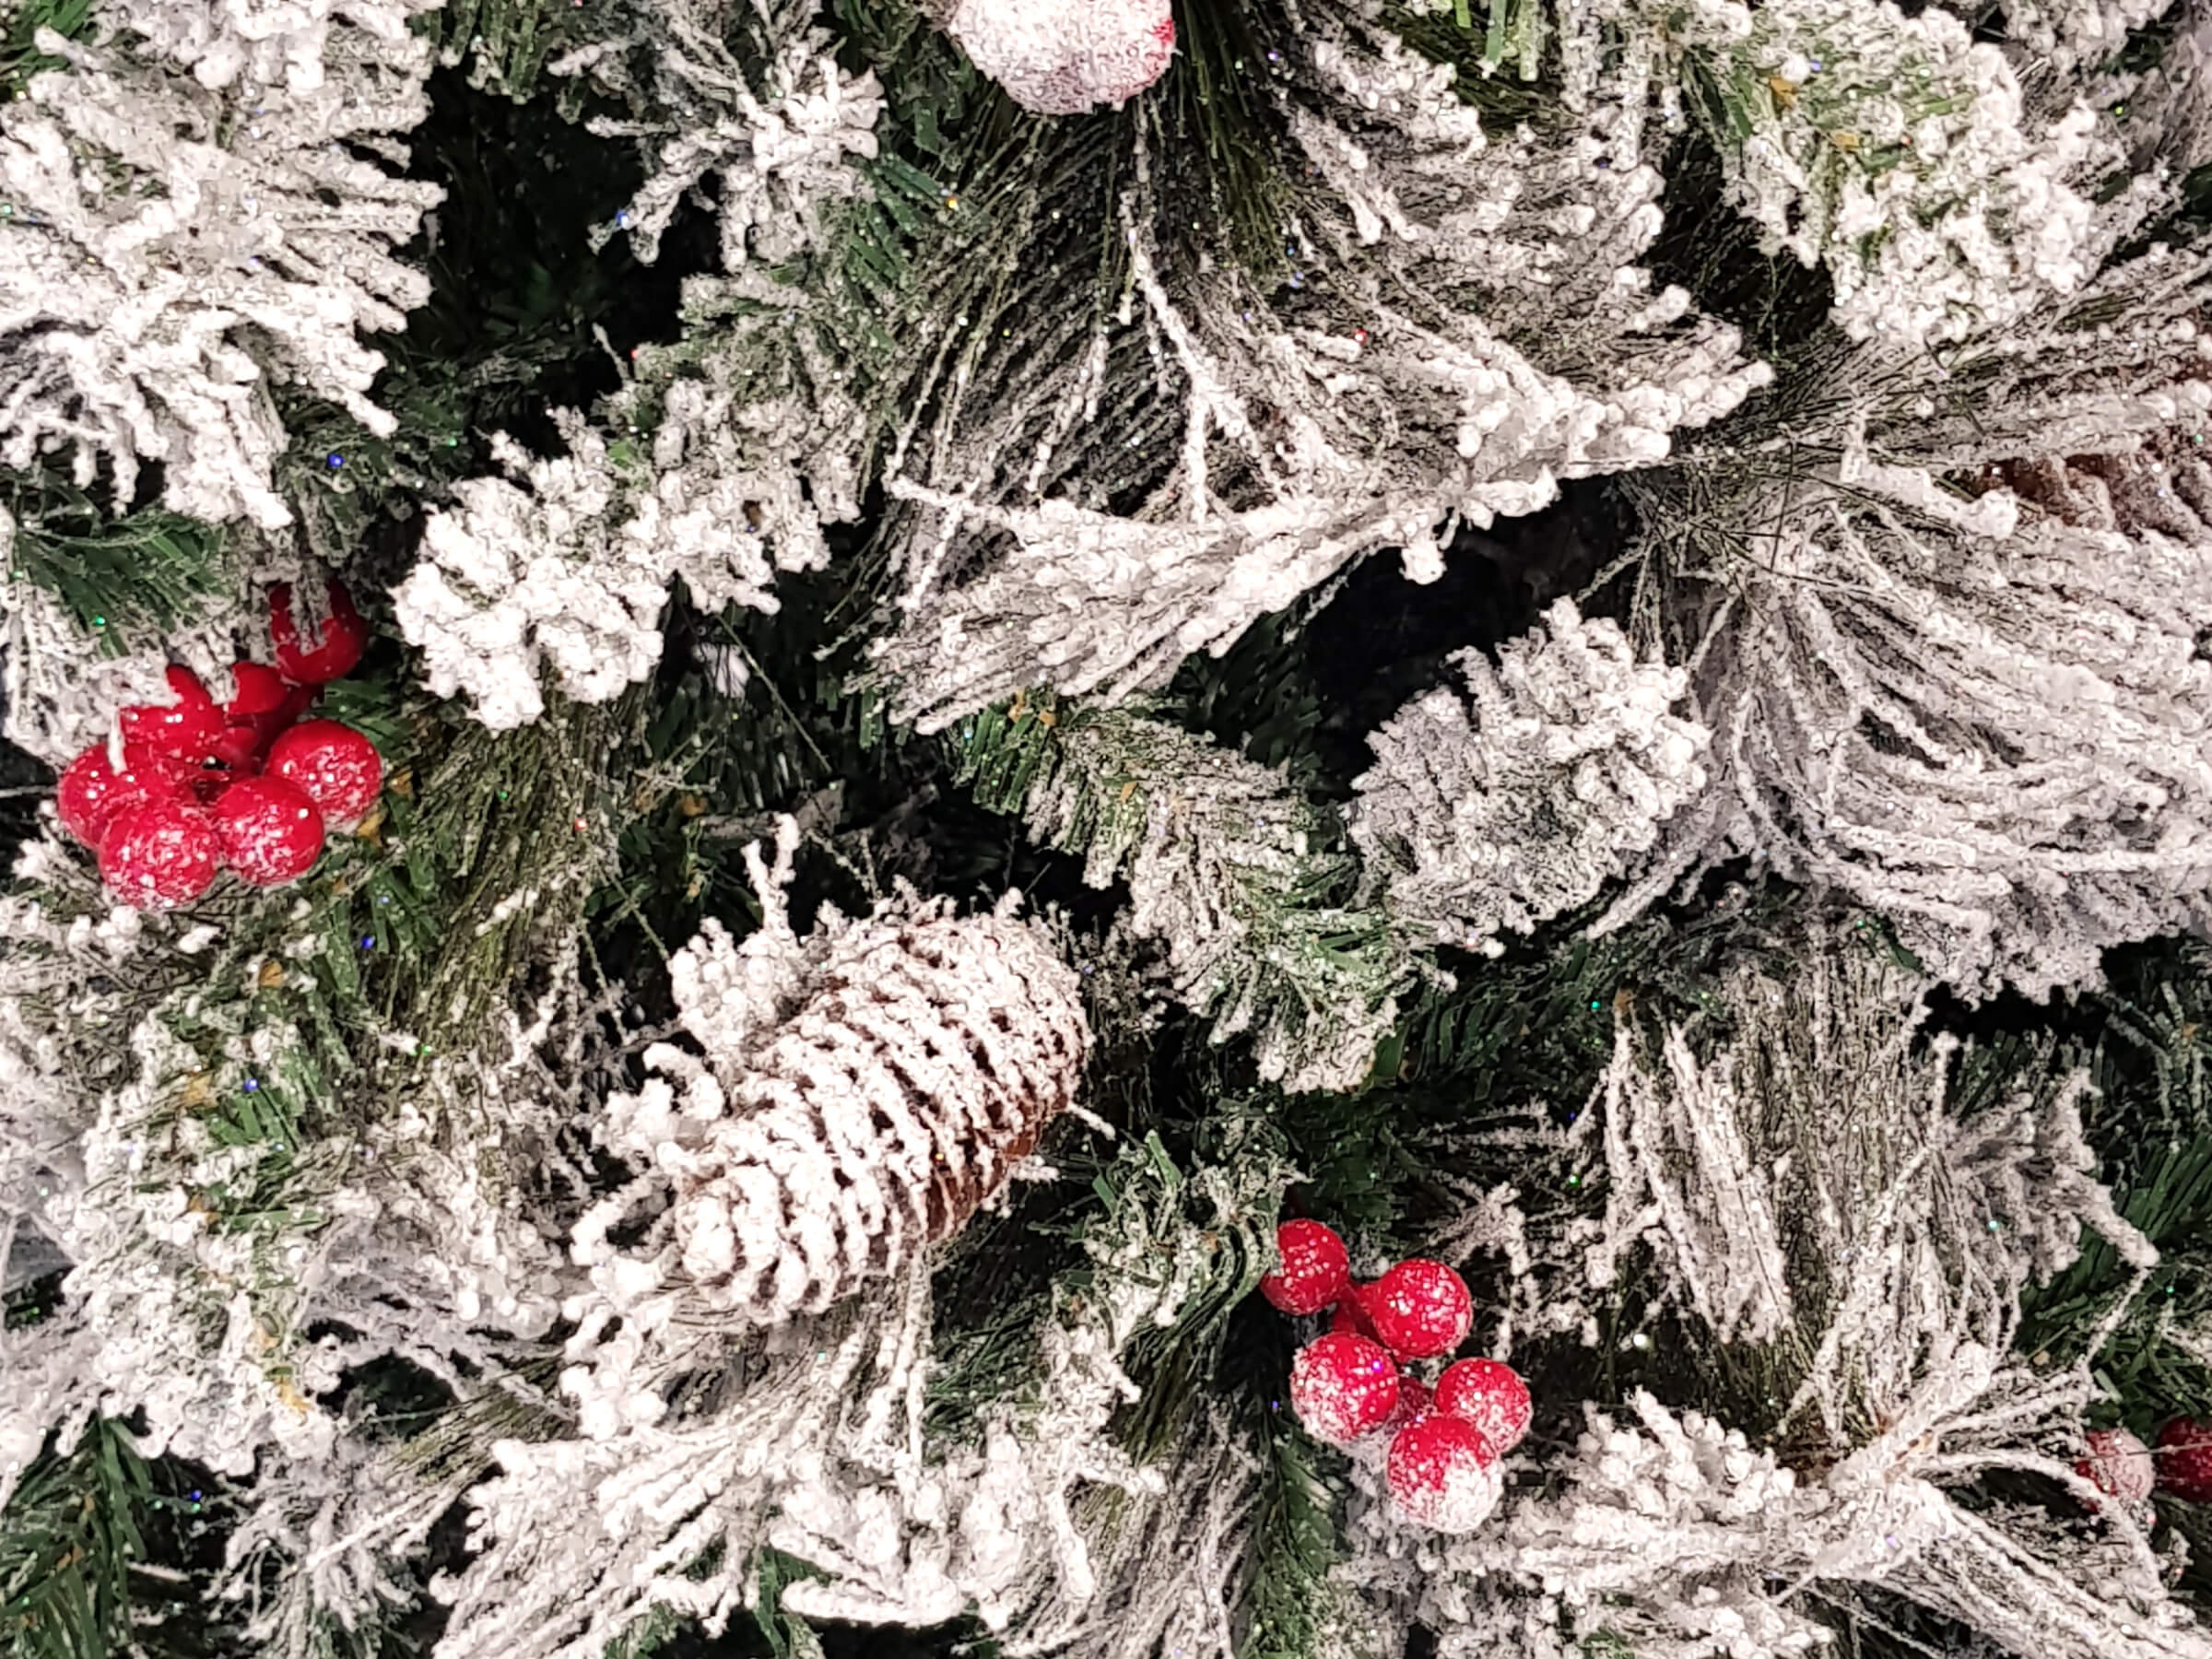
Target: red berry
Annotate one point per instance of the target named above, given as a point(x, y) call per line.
point(239, 747)
point(271, 832)
point(1342, 1386)
point(1443, 1474)
point(92, 792)
point(1419, 1309)
point(85, 796)
point(2118, 1465)
point(2185, 1460)
point(158, 855)
point(187, 729)
point(345, 636)
point(1351, 1312)
point(1316, 1269)
point(337, 766)
point(257, 689)
point(1414, 1400)
point(1489, 1395)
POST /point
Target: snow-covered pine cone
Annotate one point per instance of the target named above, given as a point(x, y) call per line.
point(863, 1092)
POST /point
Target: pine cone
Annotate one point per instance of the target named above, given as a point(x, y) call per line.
point(863, 1092)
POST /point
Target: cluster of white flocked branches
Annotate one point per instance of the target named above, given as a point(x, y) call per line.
point(1804, 1180)
point(1276, 432)
point(751, 1328)
point(1935, 646)
point(205, 200)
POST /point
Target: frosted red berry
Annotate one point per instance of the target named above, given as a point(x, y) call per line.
point(1342, 1386)
point(1316, 1269)
point(187, 729)
point(2185, 1460)
point(257, 690)
point(1419, 1309)
point(1443, 1474)
point(333, 655)
point(1350, 1312)
point(271, 832)
point(338, 768)
point(2118, 1465)
point(92, 793)
point(86, 796)
point(1416, 1399)
point(159, 856)
point(1489, 1395)
point(263, 703)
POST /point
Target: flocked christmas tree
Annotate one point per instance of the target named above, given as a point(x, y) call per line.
point(1233, 831)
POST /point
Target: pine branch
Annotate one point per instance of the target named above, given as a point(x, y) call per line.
point(517, 290)
point(1198, 1226)
point(127, 580)
point(2152, 1126)
point(1227, 864)
point(69, 1538)
point(1288, 1594)
point(507, 43)
point(1258, 698)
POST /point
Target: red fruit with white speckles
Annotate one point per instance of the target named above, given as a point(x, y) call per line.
point(271, 832)
point(1350, 1315)
point(344, 637)
point(188, 729)
point(92, 793)
point(1443, 1474)
point(1317, 1271)
point(1419, 1309)
point(263, 703)
point(1343, 1386)
point(159, 856)
point(2118, 1465)
point(340, 770)
point(1416, 1399)
point(1489, 1395)
point(2185, 1460)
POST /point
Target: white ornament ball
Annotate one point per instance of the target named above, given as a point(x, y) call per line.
point(1443, 1475)
point(1066, 57)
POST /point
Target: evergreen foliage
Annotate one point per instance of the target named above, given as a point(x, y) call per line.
point(1271, 1038)
point(1221, 855)
point(124, 580)
point(92, 1553)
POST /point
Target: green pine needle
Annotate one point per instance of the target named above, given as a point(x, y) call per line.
point(69, 1538)
point(19, 57)
point(125, 581)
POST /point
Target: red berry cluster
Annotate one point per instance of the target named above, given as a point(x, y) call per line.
point(1350, 1387)
point(243, 785)
point(2120, 1466)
